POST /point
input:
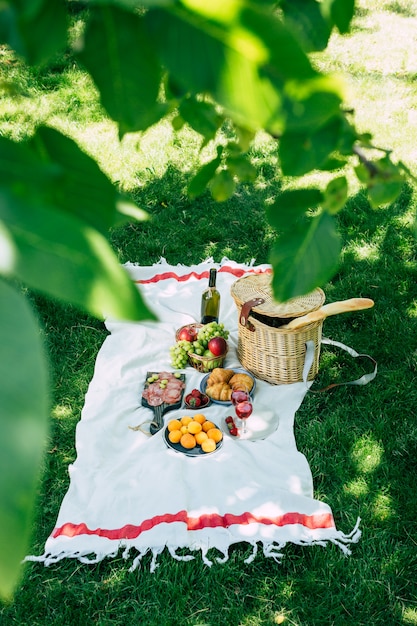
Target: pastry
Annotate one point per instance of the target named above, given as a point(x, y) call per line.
point(219, 375)
point(241, 382)
point(219, 391)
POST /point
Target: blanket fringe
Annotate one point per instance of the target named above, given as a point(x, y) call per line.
point(271, 549)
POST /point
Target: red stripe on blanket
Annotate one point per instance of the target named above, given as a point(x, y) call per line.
point(130, 531)
point(236, 271)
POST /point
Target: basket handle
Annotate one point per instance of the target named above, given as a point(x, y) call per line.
point(246, 310)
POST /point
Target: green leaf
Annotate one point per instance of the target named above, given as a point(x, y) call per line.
point(312, 103)
point(118, 54)
point(335, 195)
point(200, 181)
point(81, 189)
point(290, 205)
point(202, 56)
point(384, 192)
point(306, 20)
point(21, 168)
point(239, 165)
point(285, 57)
point(339, 12)
point(57, 254)
point(333, 163)
point(24, 412)
point(305, 257)
point(133, 4)
point(222, 186)
point(202, 116)
point(36, 30)
point(303, 152)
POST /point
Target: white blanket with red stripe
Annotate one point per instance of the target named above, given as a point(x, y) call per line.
point(128, 491)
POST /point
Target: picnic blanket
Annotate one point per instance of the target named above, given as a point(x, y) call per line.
point(129, 492)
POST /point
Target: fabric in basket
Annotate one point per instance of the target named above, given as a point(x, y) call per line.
point(129, 492)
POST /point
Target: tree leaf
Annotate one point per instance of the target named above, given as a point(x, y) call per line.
point(81, 188)
point(36, 30)
point(339, 12)
point(303, 152)
point(202, 116)
point(203, 56)
point(311, 104)
point(222, 186)
point(55, 253)
point(204, 175)
point(305, 257)
point(290, 205)
point(239, 165)
point(119, 56)
point(384, 192)
point(306, 20)
point(24, 412)
point(335, 195)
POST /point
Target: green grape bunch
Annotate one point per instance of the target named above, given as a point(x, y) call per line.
point(181, 349)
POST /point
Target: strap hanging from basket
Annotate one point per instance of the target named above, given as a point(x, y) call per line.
point(363, 380)
point(245, 312)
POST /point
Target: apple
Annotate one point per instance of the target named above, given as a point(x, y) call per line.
point(217, 345)
point(187, 334)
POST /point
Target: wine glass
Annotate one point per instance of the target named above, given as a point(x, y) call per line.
point(243, 406)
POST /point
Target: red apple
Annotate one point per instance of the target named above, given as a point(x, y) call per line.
point(187, 334)
point(217, 346)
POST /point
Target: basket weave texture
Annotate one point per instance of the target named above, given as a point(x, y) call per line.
point(272, 353)
point(201, 363)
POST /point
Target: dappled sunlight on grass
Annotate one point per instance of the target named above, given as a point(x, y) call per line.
point(410, 616)
point(382, 507)
point(362, 251)
point(367, 454)
point(61, 411)
point(357, 487)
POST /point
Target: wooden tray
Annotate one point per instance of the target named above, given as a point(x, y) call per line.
point(160, 410)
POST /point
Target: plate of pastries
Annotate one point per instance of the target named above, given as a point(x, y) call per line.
point(221, 381)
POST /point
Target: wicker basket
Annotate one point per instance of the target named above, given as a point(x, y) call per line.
point(203, 364)
point(195, 327)
point(206, 364)
point(268, 351)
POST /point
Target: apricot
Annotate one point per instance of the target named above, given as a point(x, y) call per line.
point(209, 445)
point(215, 434)
point(194, 428)
point(174, 425)
point(200, 437)
point(188, 441)
point(175, 436)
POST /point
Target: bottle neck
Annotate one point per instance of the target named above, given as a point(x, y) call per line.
point(212, 278)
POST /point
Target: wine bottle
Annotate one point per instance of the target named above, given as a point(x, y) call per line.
point(210, 300)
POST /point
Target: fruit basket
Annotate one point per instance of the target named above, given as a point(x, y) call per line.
point(192, 328)
point(202, 346)
point(205, 364)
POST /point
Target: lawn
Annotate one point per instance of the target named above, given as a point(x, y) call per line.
point(361, 442)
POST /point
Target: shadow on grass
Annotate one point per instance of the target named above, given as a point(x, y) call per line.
point(188, 231)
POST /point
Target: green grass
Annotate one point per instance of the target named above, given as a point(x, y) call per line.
point(361, 442)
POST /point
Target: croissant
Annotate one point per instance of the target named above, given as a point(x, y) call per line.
point(241, 382)
point(219, 375)
point(219, 391)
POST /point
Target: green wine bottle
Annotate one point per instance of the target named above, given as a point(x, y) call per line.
point(210, 300)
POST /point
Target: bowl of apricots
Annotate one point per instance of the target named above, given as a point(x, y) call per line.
point(193, 436)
